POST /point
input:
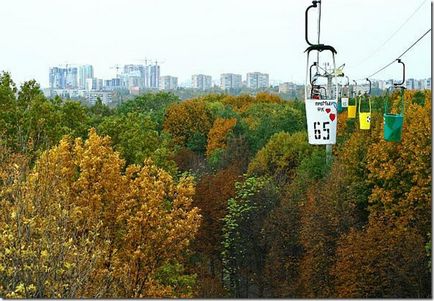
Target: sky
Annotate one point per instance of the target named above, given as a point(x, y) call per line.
point(212, 36)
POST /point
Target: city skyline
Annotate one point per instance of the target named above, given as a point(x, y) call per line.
point(142, 77)
point(192, 37)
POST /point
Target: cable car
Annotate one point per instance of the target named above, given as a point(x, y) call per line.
point(393, 123)
point(365, 116)
point(352, 103)
point(345, 93)
point(321, 98)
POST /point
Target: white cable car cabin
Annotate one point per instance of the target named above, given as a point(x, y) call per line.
point(321, 99)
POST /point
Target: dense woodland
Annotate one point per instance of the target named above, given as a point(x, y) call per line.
point(217, 196)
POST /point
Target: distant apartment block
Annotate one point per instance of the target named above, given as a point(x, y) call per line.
point(112, 84)
point(257, 80)
point(409, 83)
point(201, 82)
point(84, 72)
point(426, 83)
point(91, 96)
point(168, 82)
point(287, 87)
point(141, 76)
point(56, 78)
point(63, 77)
point(230, 81)
point(154, 76)
point(381, 84)
point(413, 84)
point(70, 77)
point(94, 84)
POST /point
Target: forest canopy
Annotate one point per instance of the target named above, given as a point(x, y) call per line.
point(215, 196)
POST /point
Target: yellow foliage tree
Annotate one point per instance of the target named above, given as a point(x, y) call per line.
point(218, 133)
point(401, 172)
point(79, 226)
point(242, 102)
point(187, 120)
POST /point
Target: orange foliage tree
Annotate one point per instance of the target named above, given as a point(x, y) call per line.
point(382, 261)
point(212, 193)
point(218, 133)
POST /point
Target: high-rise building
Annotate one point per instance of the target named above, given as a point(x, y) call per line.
point(287, 87)
point(134, 76)
point(112, 84)
point(257, 80)
point(409, 83)
point(141, 76)
point(154, 76)
point(71, 78)
point(92, 96)
point(63, 78)
point(84, 72)
point(94, 84)
point(57, 77)
point(201, 82)
point(427, 83)
point(230, 81)
point(168, 82)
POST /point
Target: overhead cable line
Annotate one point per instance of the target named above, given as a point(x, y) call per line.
point(392, 35)
point(319, 33)
point(401, 55)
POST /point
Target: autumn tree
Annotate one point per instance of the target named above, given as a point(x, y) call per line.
point(401, 172)
point(282, 229)
point(79, 226)
point(280, 156)
point(382, 261)
point(212, 193)
point(217, 134)
point(189, 123)
point(242, 102)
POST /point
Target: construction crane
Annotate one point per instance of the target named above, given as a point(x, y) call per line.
point(159, 62)
point(117, 67)
point(146, 60)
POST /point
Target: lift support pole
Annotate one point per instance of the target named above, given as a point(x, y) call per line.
point(329, 147)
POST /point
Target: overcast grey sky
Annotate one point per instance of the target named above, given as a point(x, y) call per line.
point(210, 36)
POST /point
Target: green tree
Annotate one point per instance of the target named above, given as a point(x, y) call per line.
point(265, 119)
point(74, 118)
point(8, 109)
point(243, 243)
point(136, 137)
point(152, 104)
point(281, 156)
